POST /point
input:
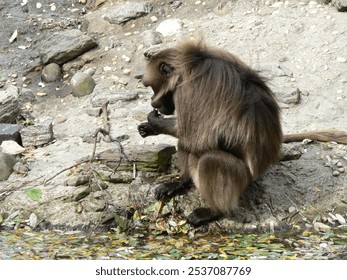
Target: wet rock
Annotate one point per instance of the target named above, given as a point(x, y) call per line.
point(341, 5)
point(10, 132)
point(7, 162)
point(11, 147)
point(64, 46)
point(287, 95)
point(128, 11)
point(113, 97)
point(9, 104)
point(51, 73)
point(170, 27)
point(82, 84)
point(37, 135)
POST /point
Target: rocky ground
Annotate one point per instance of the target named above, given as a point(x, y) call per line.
point(62, 60)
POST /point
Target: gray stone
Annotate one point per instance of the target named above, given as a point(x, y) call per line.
point(176, 4)
point(271, 70)
point(150, 37)
point(145, 158)
point(10, 132)
point(7, 162)
point(170, 27)
point(82, 84)
point(64, 46)
point(9, 104)
point(37, 135)
point(287, 95)
point(126, 12)
point(51, 73)
point(341, 5)
point(12, 147)
point(113, 97)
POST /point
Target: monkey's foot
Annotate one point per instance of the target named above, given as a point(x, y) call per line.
point(168, 190)
point(146, 130)
point(202, 216)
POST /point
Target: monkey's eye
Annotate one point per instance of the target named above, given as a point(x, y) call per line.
point(165, 70)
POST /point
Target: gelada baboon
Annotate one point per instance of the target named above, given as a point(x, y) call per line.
point(227, 124)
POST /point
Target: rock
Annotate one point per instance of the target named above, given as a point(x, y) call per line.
point(113, 97)
point(9, 104)
point(150, 37)
point(37, 135)
point(341, 5)
point(11, 147)
point(271, 70)
point(341, 59)
point(128, 11)
point(82, 84)
point(287, 95)
point(7, 162)
point(51, 73)
point(21, 168)
point(170, 27)
point(153, 50)
point(175, 4)
point(64, 46)
point(147, 158)
point(10, 132)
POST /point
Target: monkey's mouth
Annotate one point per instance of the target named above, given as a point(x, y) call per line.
point(165, 104)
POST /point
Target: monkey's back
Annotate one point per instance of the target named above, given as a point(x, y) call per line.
point(223, 104)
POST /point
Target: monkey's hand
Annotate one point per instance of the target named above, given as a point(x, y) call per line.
point(146, 130)
point(153, 117)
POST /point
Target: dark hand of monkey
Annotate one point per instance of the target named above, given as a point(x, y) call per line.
point(146, 130)
point(153, 116)
point(202, 216)
point(168, 190)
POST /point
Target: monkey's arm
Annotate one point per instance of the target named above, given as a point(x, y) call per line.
point(158, 125)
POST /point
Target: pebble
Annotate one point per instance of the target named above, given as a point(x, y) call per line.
point(292, 209)
point(82, 84)
point(126, 71)
point(341, 59)
point(51, 73)
point(41, 94)
point(336, 173)
point(154, 19)
point(126, 58)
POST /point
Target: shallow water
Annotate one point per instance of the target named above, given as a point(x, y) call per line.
point(27, 244)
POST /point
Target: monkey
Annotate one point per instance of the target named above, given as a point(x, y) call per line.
point(227, 123)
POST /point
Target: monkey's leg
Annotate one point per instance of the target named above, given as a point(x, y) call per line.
point(221, 178)
point(168, 190)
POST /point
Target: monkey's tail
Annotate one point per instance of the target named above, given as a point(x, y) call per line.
point(337, 136)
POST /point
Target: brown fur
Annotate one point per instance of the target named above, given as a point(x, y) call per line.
point(337, 136)
point(228, 121)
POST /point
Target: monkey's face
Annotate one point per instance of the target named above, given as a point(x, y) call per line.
point(160, 76)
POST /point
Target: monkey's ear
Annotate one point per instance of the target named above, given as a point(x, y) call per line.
point(166, 70)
